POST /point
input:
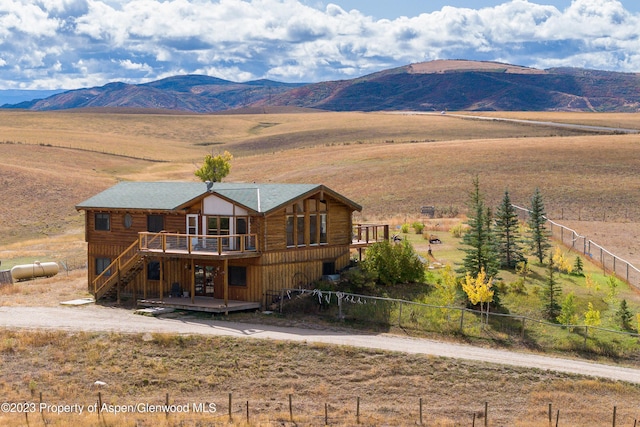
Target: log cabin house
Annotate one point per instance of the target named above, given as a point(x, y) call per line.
point(217, 246)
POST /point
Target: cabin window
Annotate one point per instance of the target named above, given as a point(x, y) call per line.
point(218, 225)
point(306, 223)
point(323, 228)
point(237, 276)
point(103, 221)
point(102, 264)
point(127, 221)
point(300, 230)
point(290, 230)
point(242, 225)
point(328, 268)
point(155, 223)
point(313, 229)
point(153, 270)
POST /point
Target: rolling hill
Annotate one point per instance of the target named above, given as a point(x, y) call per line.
point(429, 86)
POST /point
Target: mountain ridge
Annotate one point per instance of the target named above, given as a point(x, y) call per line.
point(426, 86)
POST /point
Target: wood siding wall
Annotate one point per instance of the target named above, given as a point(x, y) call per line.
point(299, 267)
point(277, 268)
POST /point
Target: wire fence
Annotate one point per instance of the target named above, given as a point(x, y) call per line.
point(609, 262)
point(387, 312)
point(291, 410)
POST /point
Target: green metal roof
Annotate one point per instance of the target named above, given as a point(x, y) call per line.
point(260, 198)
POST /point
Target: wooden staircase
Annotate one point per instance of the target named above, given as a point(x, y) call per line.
point(119, 273)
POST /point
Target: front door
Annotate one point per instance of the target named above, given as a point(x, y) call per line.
point(218, 226)
point(192, 229)
point(205, 278)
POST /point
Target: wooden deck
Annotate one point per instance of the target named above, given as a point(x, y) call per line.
point(367, 234)
point(203, 246)
point(205, 304)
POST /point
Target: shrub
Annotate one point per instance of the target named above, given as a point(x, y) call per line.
point(457, 230)
point(501, 286)
point(393, 263)
point(357, 281)
point(418, 227)
point(518, 287)
point(404, 228)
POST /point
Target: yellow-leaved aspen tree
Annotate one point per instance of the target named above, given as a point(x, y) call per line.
point(479, 291)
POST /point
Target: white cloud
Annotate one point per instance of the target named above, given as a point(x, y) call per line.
point(75, 42)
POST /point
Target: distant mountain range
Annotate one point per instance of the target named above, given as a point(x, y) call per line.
point(428, 86)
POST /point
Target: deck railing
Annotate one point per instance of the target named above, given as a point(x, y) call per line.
point(203, 244)
point(370, 233)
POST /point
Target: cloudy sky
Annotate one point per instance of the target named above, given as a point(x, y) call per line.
point(67, 44)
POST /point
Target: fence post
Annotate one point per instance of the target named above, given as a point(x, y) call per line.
point(522, 337)
point(230, 417)
point(281, 299)
point(326, 414)
point(586, 333)
point(400, 316)
point(627, 272)
point(420, 411)
point(486, 414)
point(290, 409)
point(461, 319)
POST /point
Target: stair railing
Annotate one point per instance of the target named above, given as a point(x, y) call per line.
point(112, 273)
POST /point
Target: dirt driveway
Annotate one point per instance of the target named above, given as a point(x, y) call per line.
point(107, 319)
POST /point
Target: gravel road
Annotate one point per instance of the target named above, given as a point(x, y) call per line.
point(106, 319)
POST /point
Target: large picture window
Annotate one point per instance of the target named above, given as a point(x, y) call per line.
point(306, 223)
point(103, 221)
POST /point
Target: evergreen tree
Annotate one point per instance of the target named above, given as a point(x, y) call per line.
point(551, 294)
point(624, 316)
point(507, 236)
point(537, 226)
point(578, 267)
point(480, 253)
point(492, 254)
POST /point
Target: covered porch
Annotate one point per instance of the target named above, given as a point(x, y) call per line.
point(202, 304)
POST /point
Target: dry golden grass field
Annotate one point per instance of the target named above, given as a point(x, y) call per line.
point(392, 164)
